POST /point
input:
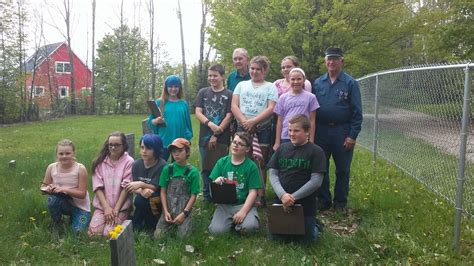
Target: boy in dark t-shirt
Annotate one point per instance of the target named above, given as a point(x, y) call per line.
point(146, 175)
point(213, 111)
point(296, 172)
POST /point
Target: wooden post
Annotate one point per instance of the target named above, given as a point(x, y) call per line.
point(131, 144)
point(122, 249)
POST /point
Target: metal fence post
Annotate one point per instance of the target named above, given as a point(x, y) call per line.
point(376, 117)
point(462, 157)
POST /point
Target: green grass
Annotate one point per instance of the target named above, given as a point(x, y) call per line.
point(398, 220)
point(431, 166)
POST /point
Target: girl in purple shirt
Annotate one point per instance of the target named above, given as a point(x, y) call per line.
point(296, 101)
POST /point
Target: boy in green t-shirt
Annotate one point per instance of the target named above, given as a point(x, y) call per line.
point(242, 171)
point(179, 182)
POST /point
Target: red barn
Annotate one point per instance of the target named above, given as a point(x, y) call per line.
point(52, 75)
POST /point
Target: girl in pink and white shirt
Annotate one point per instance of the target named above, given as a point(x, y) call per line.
point(111, 172)
point(284, 85)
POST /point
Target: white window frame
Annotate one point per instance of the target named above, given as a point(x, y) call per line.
point(62, 63)
point(35, 91)
point(60, 88)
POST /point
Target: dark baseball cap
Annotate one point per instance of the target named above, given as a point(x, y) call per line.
point(334, 51)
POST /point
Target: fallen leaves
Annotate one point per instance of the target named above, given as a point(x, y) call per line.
point(341, 223)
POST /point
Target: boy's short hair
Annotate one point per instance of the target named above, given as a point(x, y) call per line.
point(218, 68)
point(299, 118)
point(245, 137)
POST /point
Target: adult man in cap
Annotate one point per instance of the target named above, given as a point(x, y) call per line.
point(240, 59)
point(338, 124)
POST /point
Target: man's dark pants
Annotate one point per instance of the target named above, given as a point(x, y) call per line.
point(330, 137)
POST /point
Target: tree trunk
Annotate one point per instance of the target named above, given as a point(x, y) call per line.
point(201, 71)
point(120, 97)
point(93, 59)
point(21, 36)
point(185, 75)
point(151, 13)
point(67, 20)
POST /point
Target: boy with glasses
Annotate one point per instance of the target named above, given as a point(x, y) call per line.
point(238, 169)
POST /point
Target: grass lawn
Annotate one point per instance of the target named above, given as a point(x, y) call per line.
point(392, 218)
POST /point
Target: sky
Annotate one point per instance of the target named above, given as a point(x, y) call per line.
point(166, 28)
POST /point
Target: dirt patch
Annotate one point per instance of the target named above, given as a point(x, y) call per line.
point(442, 133)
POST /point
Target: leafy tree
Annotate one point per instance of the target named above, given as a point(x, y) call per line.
point(446, 30)
point(375, 34)
point(131, 66)
point(13, 99)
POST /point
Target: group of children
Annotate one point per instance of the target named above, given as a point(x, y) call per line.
point(164, 193)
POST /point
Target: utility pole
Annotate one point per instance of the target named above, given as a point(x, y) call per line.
point(185, 76)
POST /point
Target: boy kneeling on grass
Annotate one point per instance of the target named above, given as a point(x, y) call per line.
point(242, 171)
point(179, 182)
point(296, 172)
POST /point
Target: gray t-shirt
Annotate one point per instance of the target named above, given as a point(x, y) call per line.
point(215, 106)
point(148, 175)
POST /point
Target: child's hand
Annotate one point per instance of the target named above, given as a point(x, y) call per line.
point(109, 215)
point(239, 217)
point(133, 186)
point(57, 189)
point(179, 219)
point(215, 128)
point(212, 142)
point(249, 124)
point(168, 217)
point(220, 180)
point(46, 188)
point(158, 120)
point(287, 200)
point(146, 192)
point(275, 146)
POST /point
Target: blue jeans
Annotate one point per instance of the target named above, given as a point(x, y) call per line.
point(60, 204)
point(331, 140)
point(143, 218)
point(206, 192)
point(311, 235)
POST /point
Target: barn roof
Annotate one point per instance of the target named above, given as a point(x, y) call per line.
point(41, 54)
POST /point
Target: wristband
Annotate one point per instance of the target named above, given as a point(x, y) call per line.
point(186, 213)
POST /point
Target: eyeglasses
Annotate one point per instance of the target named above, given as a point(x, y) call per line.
point(239, 144)
point(114, 145)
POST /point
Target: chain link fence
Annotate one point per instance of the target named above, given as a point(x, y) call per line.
point(420, 119)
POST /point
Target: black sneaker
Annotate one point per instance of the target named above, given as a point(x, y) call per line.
point(319, 225)
point(323, 207)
